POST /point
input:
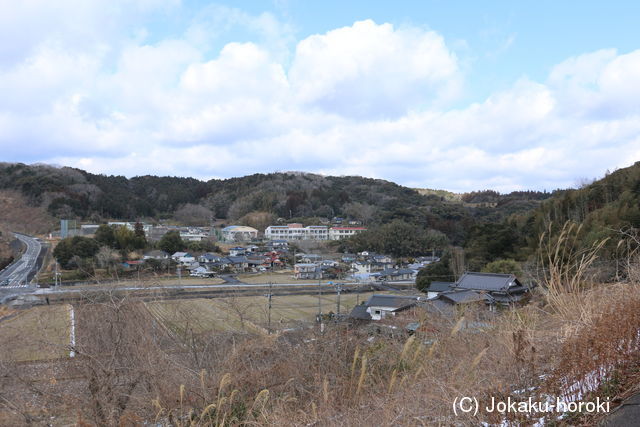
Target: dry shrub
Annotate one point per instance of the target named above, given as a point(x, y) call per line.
point(565, 268)
point(129, 368)
point(607, 347)
point(18, 215)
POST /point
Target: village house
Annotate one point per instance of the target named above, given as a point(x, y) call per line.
point(201, 271)
point(307, 271)
point(309, 258)
point(237, 251)
point(239, 233)
point(348, 258)
point(208, 258)
point(183, 258)
point(380, 306)
point(486, 289)
point(277, 243)
point(367, 267)
point(396, 274)
point(132, 263)
point(193, 235)
point(156, 254)
point(505, 289)
point(255, 262)
point(239, 264)
point(436, 288)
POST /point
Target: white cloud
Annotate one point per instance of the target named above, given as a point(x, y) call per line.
point(366, 99)
point(369, 70)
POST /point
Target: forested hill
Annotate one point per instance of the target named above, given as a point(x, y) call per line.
point(603, 209)
point(74, 193)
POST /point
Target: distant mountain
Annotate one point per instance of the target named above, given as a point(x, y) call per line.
point(73, 193)
point(489, 225)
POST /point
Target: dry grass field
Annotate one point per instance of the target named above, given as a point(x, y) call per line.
point(275, 278)
point(240, 314)
point(147, 282)
point(36, 333)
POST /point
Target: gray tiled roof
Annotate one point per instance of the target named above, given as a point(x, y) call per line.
point(360, 312)
point(464, 297)
point(440, 286)
point(156, 253)
point(487, 281)
point(393, 301)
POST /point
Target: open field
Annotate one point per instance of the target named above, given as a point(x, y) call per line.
point(43, 332)
point(36, 333)
point(248, 313)
point(275, 278)
point(145, 282)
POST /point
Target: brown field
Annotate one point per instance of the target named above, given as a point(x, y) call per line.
point(43, 332)
point(36, 333)
point(248, 313)
point(152, 282)
point(275, 278)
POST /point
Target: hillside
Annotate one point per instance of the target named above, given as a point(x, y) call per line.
point(76, 194)
point(604, 209)
point(489, 224)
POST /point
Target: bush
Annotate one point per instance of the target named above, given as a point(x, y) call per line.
point(78, 246)
point(504, 266)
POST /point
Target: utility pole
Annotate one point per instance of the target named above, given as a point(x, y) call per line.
point(179, 276)
point(338, 289)
point(320, 304)
point(269, 319)
point(55, 276)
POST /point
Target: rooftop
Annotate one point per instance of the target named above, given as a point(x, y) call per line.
point(393, 301)
point(487, 281)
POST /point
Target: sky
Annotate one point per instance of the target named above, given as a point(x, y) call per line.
point(455, 95)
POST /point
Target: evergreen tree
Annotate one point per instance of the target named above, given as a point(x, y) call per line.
point(171, 242)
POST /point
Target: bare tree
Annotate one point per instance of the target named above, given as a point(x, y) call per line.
point(191, 214)
point(107, 257)
point(457, 261)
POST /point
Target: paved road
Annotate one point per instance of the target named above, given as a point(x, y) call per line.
point(22, 271)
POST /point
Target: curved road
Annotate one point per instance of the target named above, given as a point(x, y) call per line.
point(20, 273)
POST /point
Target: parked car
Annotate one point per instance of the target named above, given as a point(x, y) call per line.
point(5, 282)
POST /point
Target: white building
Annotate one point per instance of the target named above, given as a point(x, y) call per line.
point(239, 233)
point(381, 306)
point(339, 233)
point(121, 224)
point(307, 271)
point(183, 257)
point(296, 232)
point(193, 236)
point(130, 225)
